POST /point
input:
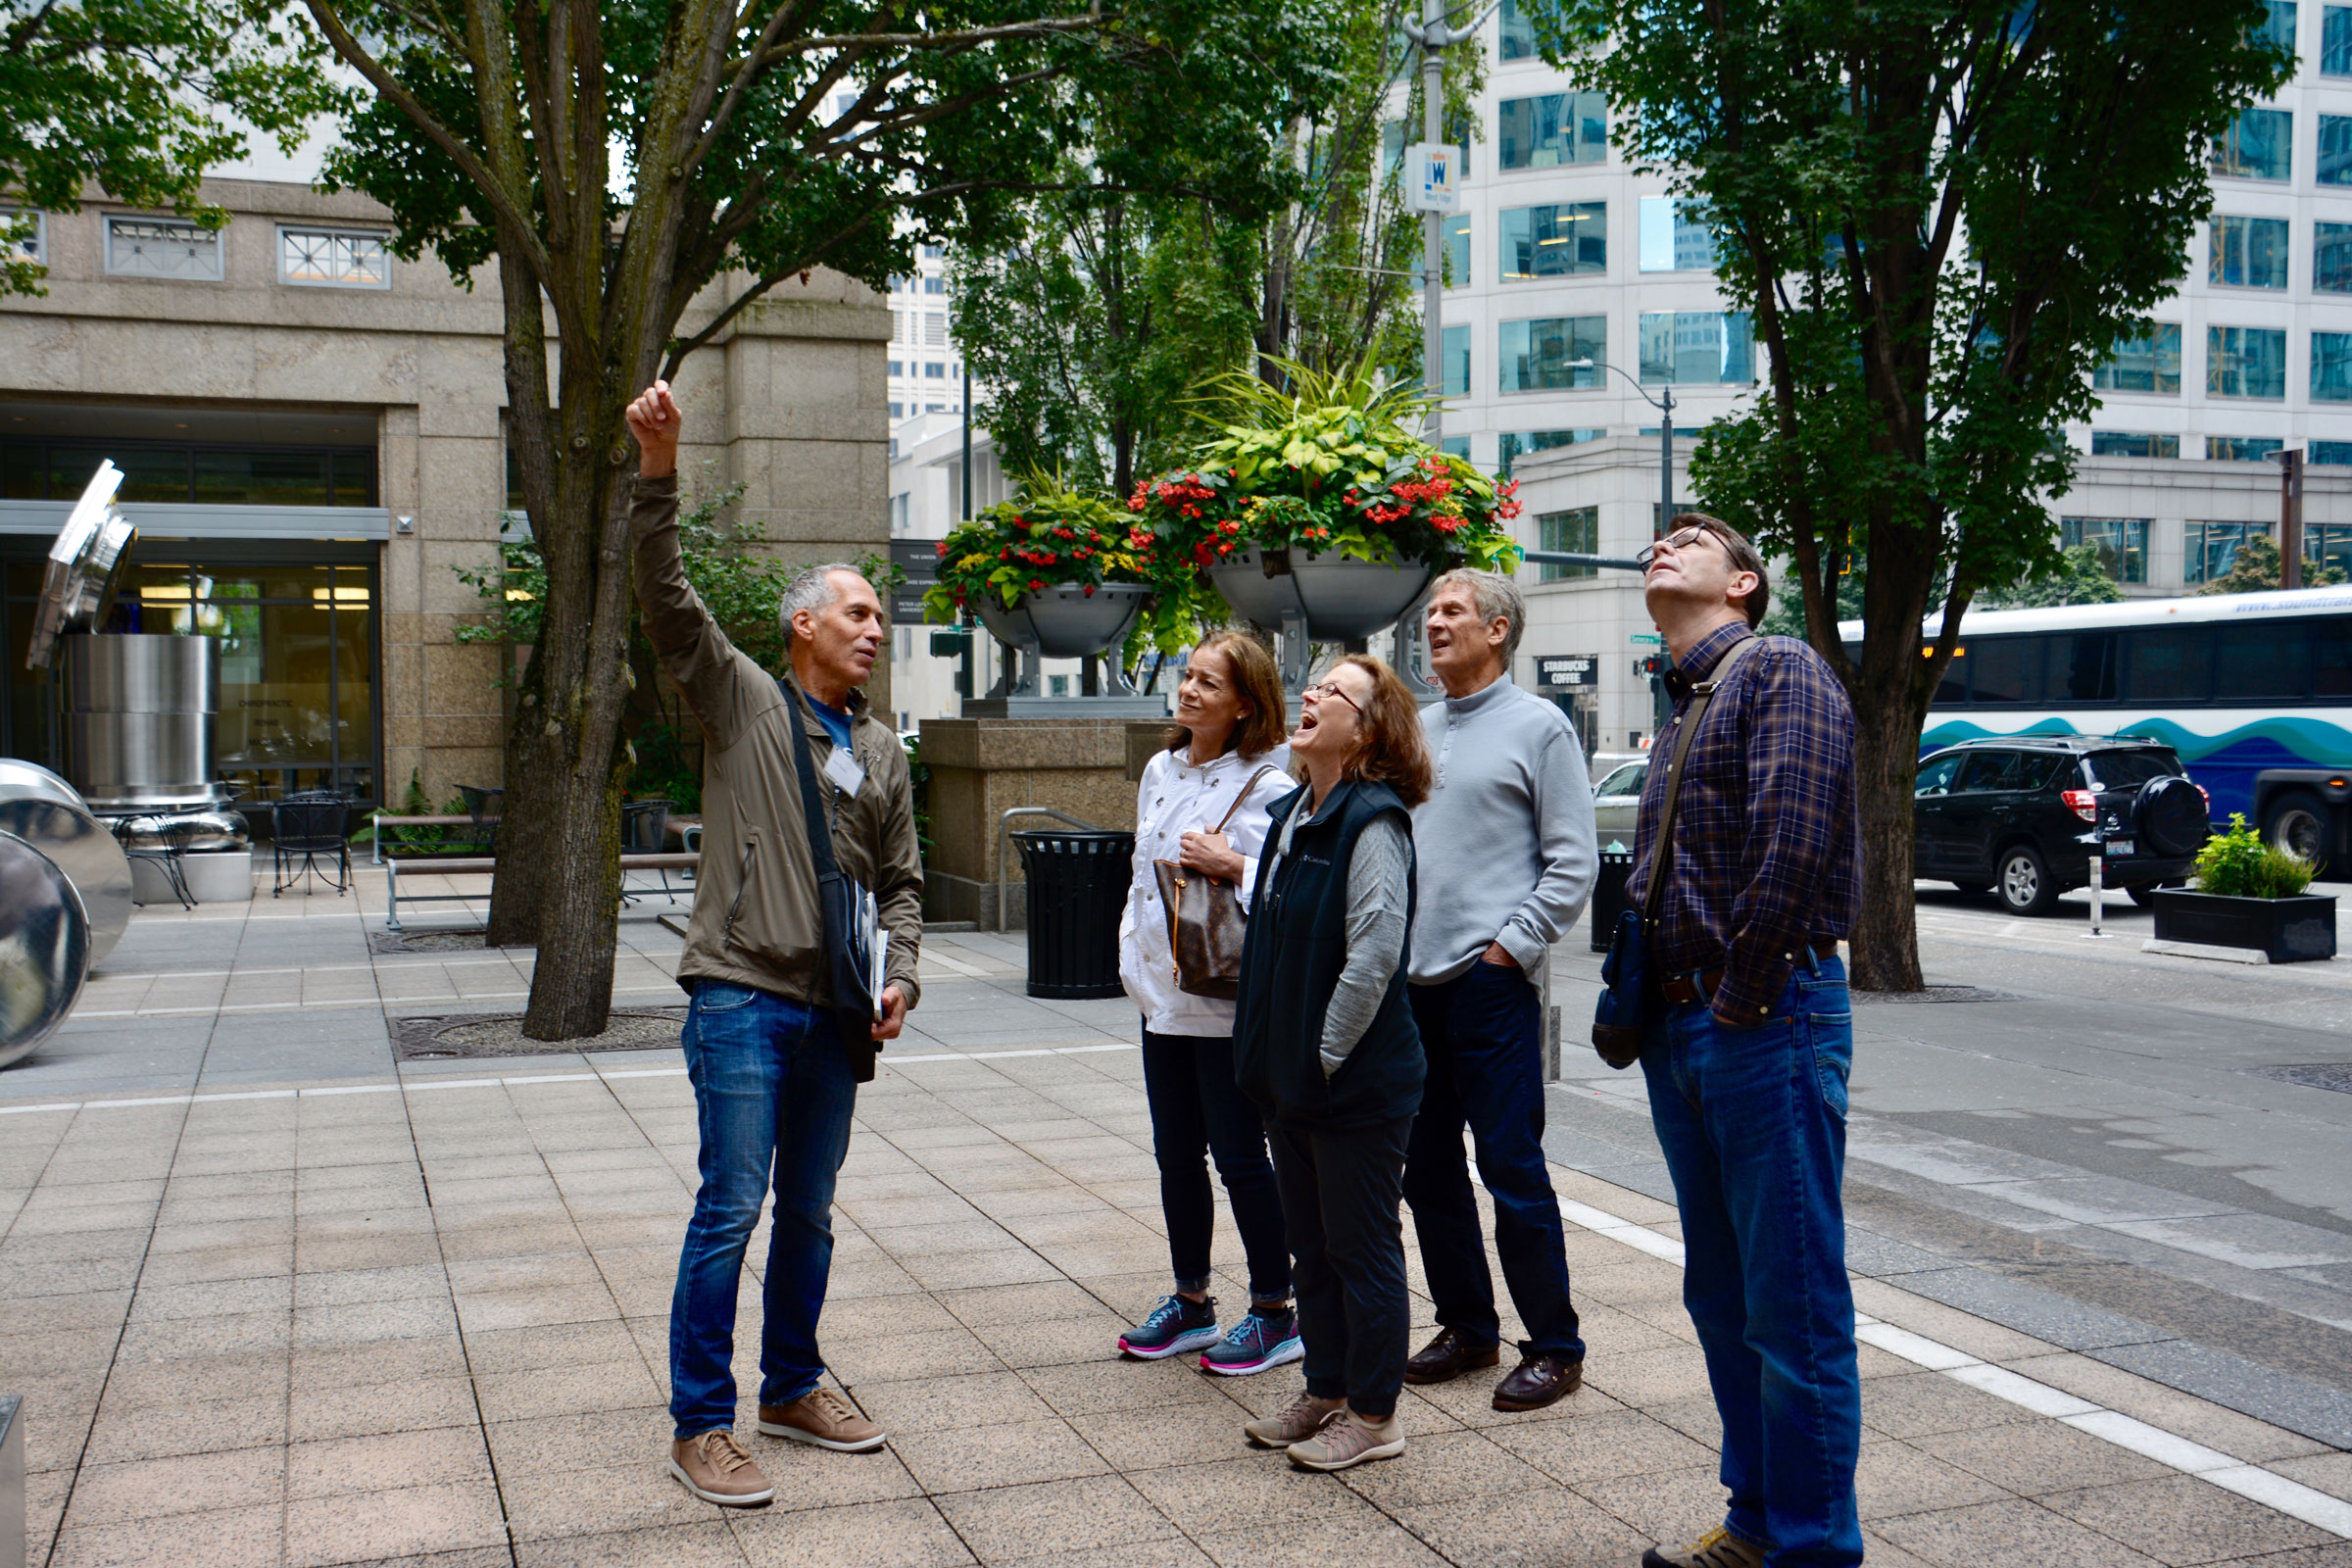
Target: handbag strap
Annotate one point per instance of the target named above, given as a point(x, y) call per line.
point(1244, 795)
point(820, 837)
point(1703, 693)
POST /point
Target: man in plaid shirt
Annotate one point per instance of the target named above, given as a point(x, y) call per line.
point(1749, 1041)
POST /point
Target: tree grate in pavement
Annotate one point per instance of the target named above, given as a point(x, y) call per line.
point(1937, 994)
point(2335, 1075)
point(382, 943)
point(452, 1037)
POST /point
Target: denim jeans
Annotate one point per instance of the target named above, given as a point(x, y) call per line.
point(1752, 1122)
point(1199, 1111)
point(1339, 1190)
point(773, 1091)
point(1486, 1071)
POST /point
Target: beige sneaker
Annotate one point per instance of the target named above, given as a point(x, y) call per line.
point(824, 1418)
point(714, 1468)
point(1349, 1438)
point(1292, 1422)
point(1717, 1548)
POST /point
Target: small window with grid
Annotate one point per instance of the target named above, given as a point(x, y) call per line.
point(332, 258)
point(162, 247)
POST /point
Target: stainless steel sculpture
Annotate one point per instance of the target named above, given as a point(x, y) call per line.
point(88, 552)
point(42, 810)
point(138, 720)
point(44, 946)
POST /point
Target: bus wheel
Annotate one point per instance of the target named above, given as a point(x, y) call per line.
point(2024, 881)
point(2297, 822)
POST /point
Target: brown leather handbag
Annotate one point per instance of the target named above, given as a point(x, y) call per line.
point(1205, 922)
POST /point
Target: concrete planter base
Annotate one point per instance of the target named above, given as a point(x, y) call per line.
point(2292, 930)
point(221, 876)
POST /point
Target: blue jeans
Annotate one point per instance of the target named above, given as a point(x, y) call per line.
point(772, 1093)
point(1199, 1111)
point(1752, 1122)
point(1486, 1071)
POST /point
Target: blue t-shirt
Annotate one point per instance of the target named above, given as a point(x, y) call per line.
point(835, 719)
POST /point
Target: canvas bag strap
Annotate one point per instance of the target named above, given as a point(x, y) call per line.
point(1703, 693)
point(820, 838)
point(1244, 795)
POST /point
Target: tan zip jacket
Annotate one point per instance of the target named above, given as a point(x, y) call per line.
point(755, 917)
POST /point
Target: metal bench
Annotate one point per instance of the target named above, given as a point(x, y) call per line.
point(384, 820)
point(483, 866)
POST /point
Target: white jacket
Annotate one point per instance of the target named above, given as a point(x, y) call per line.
point(1175, 798)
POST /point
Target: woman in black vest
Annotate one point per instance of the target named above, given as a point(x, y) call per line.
point(1324, 1042)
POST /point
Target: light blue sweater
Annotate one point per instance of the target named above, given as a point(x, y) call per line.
point(1504, 841)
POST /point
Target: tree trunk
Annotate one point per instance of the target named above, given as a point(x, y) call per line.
point(579, 914)
point(1886, 935)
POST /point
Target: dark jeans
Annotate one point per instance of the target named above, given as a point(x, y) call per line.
point(772, 1093)
point(1339, 1190)
point(1753, 1125)
point(1485, 1047)
point(1196, 1111)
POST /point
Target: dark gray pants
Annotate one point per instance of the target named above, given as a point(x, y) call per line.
point(1340, 1191)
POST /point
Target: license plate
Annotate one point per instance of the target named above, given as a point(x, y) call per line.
point(2118, 848)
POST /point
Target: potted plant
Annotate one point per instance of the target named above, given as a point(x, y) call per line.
point(1320, 501)
point(2249, 894)
point(1062, 571)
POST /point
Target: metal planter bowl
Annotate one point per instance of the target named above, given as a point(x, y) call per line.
point(1064, 621)
point(1342, 599)
point(43, 810)
point(44, 946)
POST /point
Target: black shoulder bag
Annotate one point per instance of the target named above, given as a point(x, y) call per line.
point(1618, 1018)
point(848, 912)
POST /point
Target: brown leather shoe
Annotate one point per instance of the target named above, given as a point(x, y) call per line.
point(714, 1468)
point(1449, 1356)
point(1537, 1381)
point(824, 1418)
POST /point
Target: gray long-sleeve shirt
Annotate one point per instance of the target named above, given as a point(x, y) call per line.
point(1505, 840)
point(1379, 892)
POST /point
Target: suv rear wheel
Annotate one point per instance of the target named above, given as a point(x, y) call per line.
point(2023, 880)
point(2297, 822)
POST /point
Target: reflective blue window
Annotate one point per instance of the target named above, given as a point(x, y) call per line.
point(2331, 257)
point(2335, 150)
point(2247, 252)
point(2245, 362)
point(1457, 361)
point(2336, 41)
point(1553, 353)
point(1696, 346)
point(2332, 366)
point(2149, 363)
point(1514, 445)
point(1675, 237)
point(1564, 240)
point(1552, 129)
point(2260, 146)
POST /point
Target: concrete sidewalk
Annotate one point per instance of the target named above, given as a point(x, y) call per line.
point(268, 1314)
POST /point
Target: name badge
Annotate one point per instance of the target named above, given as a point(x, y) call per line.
point(842, 770)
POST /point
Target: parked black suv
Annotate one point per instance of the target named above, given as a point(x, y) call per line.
point(2023, 817)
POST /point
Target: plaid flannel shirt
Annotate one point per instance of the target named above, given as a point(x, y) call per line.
point(1766, 857)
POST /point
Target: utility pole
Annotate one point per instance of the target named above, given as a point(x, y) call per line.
point(1434, 39)
point(2290, 517)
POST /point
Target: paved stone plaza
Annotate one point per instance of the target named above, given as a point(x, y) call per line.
point(273, 1299)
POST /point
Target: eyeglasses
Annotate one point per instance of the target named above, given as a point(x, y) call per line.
point(1679, 541)
point(1331, 688)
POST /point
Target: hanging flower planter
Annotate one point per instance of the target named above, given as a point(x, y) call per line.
point(1340, 599)
point(1066, 620)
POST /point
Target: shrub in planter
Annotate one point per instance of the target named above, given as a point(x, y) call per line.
point(1329, 465)
point(2249, 895)
point(2241, 864)
point(1048, 536)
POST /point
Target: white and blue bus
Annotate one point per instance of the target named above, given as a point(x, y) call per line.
point(2252, 691)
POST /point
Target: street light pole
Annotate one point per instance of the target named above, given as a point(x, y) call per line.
point(1665, 409)
point(1434, 37)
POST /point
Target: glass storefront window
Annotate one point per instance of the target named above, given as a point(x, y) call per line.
point(2247, 252)
point(2245, 362)
point(2149, 363)
point(208, 475)
point(2121, 544)
point(1565, 239)
point(1544, 355)
point(2211, 548)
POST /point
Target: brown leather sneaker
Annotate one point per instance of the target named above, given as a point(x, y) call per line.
point(1348, 1439)
point(1294, 1422)
point(1537, 1381)
point(1449, 1356)
point(1717, 1548)
point(714, 1468)
point(824, 1418)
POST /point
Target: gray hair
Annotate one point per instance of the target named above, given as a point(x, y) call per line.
point(812, 589)
point(1494, 595)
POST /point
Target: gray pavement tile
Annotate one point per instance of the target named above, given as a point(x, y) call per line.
point(2179, 1519)
point(2028, 1308)
point(1052, 1519)
point(2295, 1403)
point(1524, 1529)
point(706, 1544)
point(2011, 1532)
point(901, 1533)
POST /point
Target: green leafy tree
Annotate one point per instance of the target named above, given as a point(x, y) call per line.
point(2257, 567)
point(613, 162)
point(2081, 575)
point(123, 94)
point(1939, 216)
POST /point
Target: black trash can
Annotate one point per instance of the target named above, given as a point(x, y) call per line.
point(644, 826)
point(1609, 897)
point(1077, 887)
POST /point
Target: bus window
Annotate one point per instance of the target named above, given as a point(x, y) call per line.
point(2008, 669)
point(1952, 690)
point(2258, 661)
point(2331, 658)
point(2168, 664)
point(2084, 667)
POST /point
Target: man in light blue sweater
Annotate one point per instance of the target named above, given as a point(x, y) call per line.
point(1507, 857)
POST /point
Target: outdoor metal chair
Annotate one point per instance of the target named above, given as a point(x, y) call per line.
point(310, 826)
point(163, 842)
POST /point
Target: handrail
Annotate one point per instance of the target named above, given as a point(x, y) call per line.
point(1004, 827)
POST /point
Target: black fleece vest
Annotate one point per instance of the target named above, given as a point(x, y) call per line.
point(1291, 961)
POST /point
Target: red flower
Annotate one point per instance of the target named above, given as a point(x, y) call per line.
point(941, 552)
point(1225, 549)
point(1035, 586)
point(1004, 554)
point(1089, 590)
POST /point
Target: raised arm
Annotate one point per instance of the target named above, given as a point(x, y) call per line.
point(697, 654)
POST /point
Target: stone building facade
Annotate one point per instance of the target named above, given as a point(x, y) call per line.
point(313, 435)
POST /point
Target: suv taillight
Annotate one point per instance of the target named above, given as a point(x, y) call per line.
point(2083, 802)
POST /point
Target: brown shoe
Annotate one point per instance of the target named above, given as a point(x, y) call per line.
point(1294, 1422)
point(1537, 1381)
point(1717, 1548)
point(1449, 1356)
point(824, 1418)
point(714, 1468)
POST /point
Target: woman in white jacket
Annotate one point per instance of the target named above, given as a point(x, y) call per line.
point(1227, 746)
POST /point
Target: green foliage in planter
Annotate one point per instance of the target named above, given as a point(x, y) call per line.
point(2239, 864)
point(1329, 463)
point(1051, 535)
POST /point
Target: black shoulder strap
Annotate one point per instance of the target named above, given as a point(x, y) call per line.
point(820, 837)
point(1703, 693)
